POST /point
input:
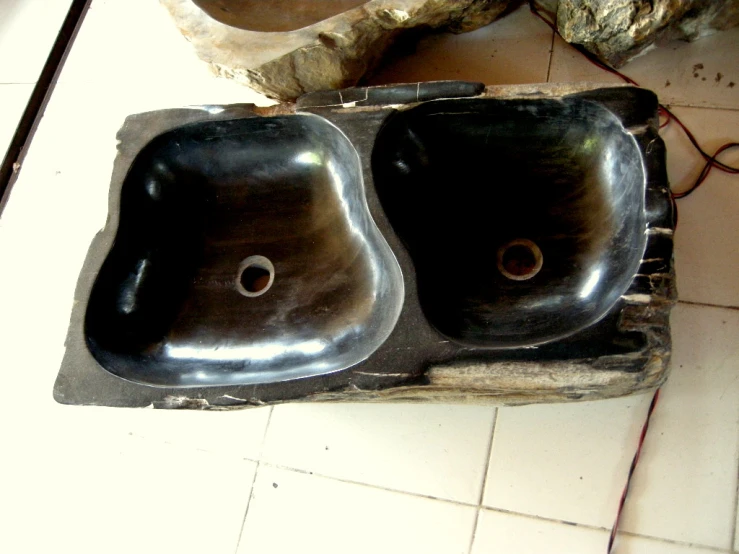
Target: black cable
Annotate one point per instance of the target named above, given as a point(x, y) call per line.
point(711, 160)
point(39, 96)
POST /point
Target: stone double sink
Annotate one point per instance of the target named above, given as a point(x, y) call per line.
point(438, 241)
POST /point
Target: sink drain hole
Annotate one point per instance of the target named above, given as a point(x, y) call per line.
point(256, 275)
point(519, 259)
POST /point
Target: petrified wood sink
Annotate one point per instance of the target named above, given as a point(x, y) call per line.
point(435, 241)
point(245, 253)
point(553, 189)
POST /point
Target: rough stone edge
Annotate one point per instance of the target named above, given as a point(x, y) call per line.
point(653, 27)
point(498, 383)
point(332, 54)
point(520, 383)
point(78, 364)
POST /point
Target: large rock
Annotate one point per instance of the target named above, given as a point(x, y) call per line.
point(285, 48)
point(618, 30)
point(333, 53)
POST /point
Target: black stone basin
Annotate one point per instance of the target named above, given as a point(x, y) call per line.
point(245, 253)
point(471, 186)
point(428, 241)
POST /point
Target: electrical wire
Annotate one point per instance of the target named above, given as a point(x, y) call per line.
point(632, 469)
point(711, 161)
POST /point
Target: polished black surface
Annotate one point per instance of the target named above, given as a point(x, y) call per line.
point(514, 247)
point(244, 253)
point(461, 179)
point(390, 94)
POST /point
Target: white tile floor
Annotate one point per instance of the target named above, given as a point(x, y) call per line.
point(531, 473)
point(28, 29)
point(13, 99)
point(347, 478)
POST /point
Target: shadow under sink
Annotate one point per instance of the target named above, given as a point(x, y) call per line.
point(525, 219)
point(244, 253)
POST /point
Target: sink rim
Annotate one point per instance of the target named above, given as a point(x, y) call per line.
point(395, 372)
point(587, 314)
point(383, 316)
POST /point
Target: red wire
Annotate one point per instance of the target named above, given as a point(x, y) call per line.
point(711, 162)
point(667, 115)
point(632, 469)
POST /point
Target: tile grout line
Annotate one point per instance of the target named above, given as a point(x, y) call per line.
point(551, 55)
point(732, 544)
point(254, 480)
point(491, 509)
point(266, 430)
point(682, 104)
point(487, 460)
point(708, 547)
point(430, 497)
point(475, 526)
point(707, 305)
point(368, 485)
point(484, 480)
point(246, 510)
point(606, 530)
point(548, 519)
